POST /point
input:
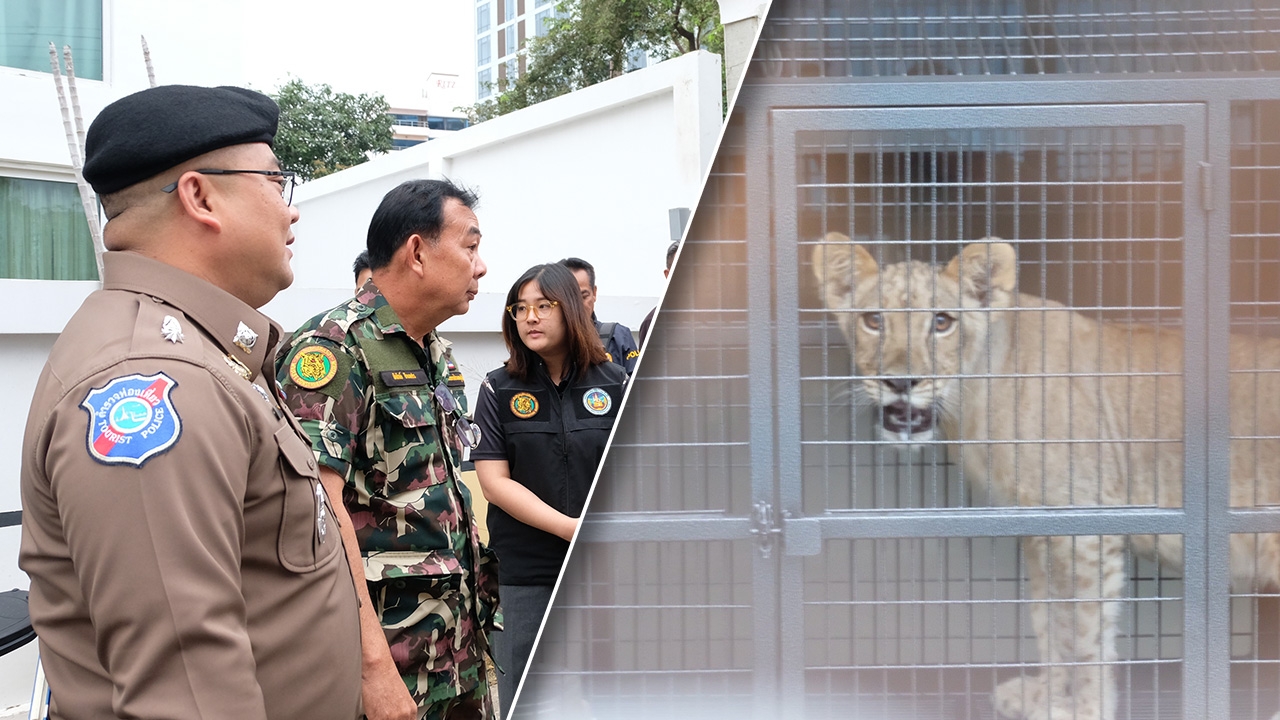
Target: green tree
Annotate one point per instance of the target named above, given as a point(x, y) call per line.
point(322, 131)
point(590, 41)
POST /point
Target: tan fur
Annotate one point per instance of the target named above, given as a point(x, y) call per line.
point(1045, 373)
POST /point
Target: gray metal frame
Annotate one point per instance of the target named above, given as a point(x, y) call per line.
point(776, 526)
point(776, 111)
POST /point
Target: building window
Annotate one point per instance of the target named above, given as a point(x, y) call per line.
point(511, 41)
point(26, 28)
point(513, 71)
point(482, 19)
point(540, 26)
point(43, 233)
point(484, 81)
point(456, 123)
point(508, 10)
point(402, 143)
point(483, 56)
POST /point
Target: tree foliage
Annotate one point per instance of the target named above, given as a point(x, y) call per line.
point(590, 41)
point(322, 131)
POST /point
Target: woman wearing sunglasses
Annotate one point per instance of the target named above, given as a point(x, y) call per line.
point(545, 417)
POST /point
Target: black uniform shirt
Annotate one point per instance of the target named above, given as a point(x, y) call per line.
point(553, 440)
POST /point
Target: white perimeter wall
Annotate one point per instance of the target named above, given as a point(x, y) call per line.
point(590, 174)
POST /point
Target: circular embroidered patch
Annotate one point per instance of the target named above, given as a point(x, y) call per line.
point(597, 401)
point(524, 405)
point(313, 368)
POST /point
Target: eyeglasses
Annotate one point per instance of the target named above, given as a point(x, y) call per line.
point(468, 431)
point(520, 311)
point(289, 180)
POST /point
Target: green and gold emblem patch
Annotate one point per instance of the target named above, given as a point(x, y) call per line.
point(524, 405)
point(313, 368)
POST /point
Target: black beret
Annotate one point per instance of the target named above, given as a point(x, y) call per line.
point(148, 132)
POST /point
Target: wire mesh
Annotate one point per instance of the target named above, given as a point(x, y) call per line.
point(1106, 223)
point(1081, 417)
point(1095, 218)
point(898, 38)
point(930, 627)
point(1255, 316)
point(649, 627)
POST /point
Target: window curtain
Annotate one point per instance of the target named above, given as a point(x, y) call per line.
point(28, 26)
point(43, 232)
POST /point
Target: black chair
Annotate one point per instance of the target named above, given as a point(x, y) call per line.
point(15, 624)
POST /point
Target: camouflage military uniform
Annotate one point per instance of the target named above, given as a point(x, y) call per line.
point(363, 391)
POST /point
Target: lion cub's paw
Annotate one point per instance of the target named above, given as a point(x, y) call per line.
point(1027, 698)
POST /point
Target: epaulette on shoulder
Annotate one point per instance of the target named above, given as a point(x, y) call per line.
point(163, 329)
point(333, 324)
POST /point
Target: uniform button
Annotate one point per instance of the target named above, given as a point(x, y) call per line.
point(360, 307)
point(311, 464)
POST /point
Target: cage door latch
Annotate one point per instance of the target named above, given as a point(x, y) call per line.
point(764, 525)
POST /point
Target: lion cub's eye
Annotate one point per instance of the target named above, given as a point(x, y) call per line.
point(872, 321)
point(943, 322)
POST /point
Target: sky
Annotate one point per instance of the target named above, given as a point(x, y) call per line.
point(367, 46)
point(395, 48)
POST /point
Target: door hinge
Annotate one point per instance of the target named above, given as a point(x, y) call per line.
point(764, 525)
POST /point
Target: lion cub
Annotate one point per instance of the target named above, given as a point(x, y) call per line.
point(1065, 411)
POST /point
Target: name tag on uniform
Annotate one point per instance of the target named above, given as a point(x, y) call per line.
point(400, 378)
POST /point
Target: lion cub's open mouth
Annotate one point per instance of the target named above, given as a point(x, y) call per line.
point(905, 423)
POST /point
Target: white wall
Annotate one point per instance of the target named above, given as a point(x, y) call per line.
point(590, 174)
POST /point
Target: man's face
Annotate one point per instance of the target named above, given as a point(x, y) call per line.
point(587, 290)
point(453, 264)
point(258, 228)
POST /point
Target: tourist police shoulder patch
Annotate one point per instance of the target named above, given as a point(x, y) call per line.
point(597, 401)
point(313, 367)
point(524, 405)
point(132, 419)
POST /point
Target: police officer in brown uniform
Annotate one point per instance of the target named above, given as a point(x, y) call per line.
point(184, 558)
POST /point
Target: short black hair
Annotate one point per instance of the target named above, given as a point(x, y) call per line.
point(574, 263)
point(412, 207)
point(361, 264)
point(671, 253)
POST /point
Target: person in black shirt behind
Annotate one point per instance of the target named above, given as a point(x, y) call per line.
point(545, 418)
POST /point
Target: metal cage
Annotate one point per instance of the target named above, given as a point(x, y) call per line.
point(756, 546)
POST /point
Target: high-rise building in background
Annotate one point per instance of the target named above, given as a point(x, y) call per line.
point(502, 27)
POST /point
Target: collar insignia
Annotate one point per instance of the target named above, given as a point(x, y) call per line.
point(245, 338)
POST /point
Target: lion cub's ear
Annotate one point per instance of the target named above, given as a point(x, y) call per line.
point(986, 271)
point(837, 263)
